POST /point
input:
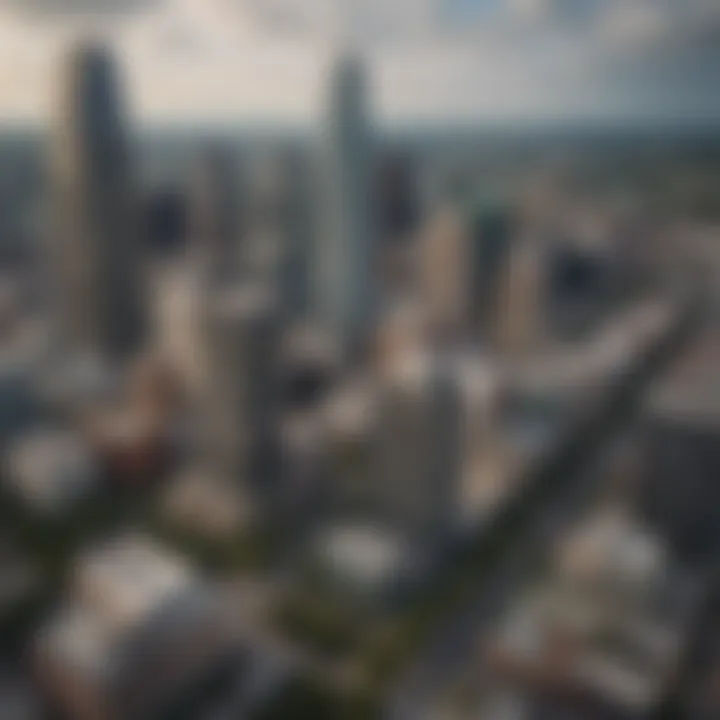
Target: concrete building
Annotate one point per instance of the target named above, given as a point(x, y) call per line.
point(492, 233)
point(280, 240)
point(445, 274)
point(243, 388)
point(398, 198)
point(138, 629)
point(201, 504)
point(21, 581)
point(74, 384)
point(312, 363)
point(523, 298)
point(346, 256)
point(52, 472)
point(97, 251)
point(680, 495)
point(417, 453)
point(179, 316)
point(434, 430)
point(217, 216)
point(603, 634)
point(407, 470)
point(21, 362)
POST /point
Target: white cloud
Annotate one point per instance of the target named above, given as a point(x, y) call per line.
point(57, 8)
point(432, 59)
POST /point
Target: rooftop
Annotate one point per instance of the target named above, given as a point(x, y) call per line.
point(367, 557)
point(690, 391)
point(52, 469)
point(129, 578)
point(592, 627)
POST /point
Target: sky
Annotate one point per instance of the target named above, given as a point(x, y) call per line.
point(431, 61)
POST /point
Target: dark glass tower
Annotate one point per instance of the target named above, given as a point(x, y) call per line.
point(97, 258)
point(347, 258)
point(216, 216)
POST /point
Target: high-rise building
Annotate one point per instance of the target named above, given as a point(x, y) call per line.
point(216, 216)
point(523, 297)
point(243, 387)
point(680, 494)
point(445, 273)
point(347, 251)
point(397, 198)
point(98, 248)
point(492, 234)
point(418, 447)
point(279, 243)
point(435, 439)
point(184, 290)
point(165, 220)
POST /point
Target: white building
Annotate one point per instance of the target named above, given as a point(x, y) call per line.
point(52, 471)
point(137, 629)
point(243, 385)
point(604, 633)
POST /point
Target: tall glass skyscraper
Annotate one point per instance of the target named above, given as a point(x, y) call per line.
point(347, 257)
point(97, 241)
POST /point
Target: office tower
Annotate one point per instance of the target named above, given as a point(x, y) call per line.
point(347, 251)
point(216, 216)
point(311, 365)
point(22, 361)
point(418, 447)
point(243, 387)
point(183, 290)
point(165, 217)
point(492, 229)
point(445, 273)
point(398, 214)
point(180, 297)
point(523, 298)
point(680, 495)
point(397, 198)
point(579, 287)
point(279, 241)
point(402, 331)
point(482, 394)
point(97, 250)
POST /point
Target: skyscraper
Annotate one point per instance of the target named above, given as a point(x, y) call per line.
point(243, 389)
point(397, 197)
point(347, 252)
point(445, 273)
point(523, 297)
point(492, 235)
point(216, 216)
point(279, 243)
point(98, 241)
point(417, 454)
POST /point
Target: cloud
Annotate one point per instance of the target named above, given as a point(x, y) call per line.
point(499, 57)
point(61, 8)
point(436, 59)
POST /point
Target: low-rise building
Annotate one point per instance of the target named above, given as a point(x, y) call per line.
point(137, 630)
point(603, 634)
point(52, 471)
point(681, 496)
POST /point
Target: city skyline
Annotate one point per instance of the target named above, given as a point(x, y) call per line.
point(358, 422)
